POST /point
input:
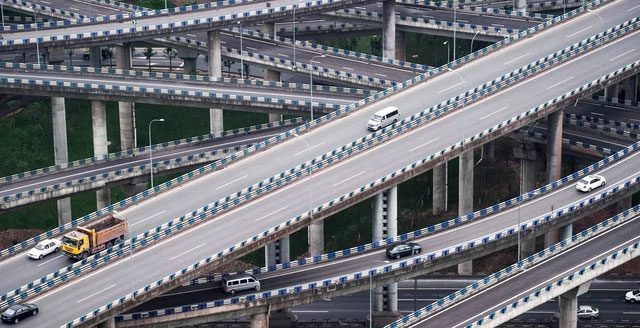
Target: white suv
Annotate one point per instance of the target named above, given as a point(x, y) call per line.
point(632, 296)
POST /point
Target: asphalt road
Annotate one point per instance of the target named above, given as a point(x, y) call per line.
point(172, 254)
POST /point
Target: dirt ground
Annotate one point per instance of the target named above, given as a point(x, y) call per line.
point(11, 237)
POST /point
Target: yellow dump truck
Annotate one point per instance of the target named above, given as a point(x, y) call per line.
point(94, 237)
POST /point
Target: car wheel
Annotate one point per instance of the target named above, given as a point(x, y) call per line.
point(604, 183)
point(109, 244)
point(16, 320)
point(233, 291)
point(34, 312)
point(632, 301)
point(395, 121)
point(397, 256)
point(40, 257)
point(416, 252)
point(84, 255)
point(57, 249)
point(257, 288)
point(590, 189)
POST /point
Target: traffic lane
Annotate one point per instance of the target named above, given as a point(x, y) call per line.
point(175, 18)
point(533, 278)
point(606, 111)
point(80, 7)
point(201, 192)
point(586, 136)
point(128, 162)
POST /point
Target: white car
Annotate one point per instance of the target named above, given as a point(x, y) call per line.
point(632, 296)
point(591, 182)
point(44, 248)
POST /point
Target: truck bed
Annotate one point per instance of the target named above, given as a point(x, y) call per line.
point(107, 222)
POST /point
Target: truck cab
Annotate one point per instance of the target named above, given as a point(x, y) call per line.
point(75, 243)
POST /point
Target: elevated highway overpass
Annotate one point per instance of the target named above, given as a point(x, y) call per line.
point(445, 139)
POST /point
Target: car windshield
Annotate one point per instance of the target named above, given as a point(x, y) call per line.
point(9, 311)
point(377, 118)
point(69, 241)
point(585, 181)
point(40, 246)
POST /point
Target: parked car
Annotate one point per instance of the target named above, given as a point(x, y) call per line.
point(591, 182)
point(44, 248)
point(588, 312)
point(632, 296)
point(17, 312)
point(403, 249)
point(233, 283)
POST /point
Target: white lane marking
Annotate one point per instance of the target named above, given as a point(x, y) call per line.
point(315, 61)
point(96, 293)
point(236, 180)
point(623, 54)
point(282, 55)
point(349, 178)
point(74, 8)
point(383, 75)
point(452, 86)
point(631, 312)
point(147, 218)
point(187, 251)
point(306, 149)
point(348, 68)
point(428, 16)
point(46, 2)
point(599, 114)
point(223, 42)
point(462, 21)
point(512, 60)
point(499, 25)
point(578, 32)
point(540, 312)
point(561, 82)
point(361, 8)
point(274, 212)
point(192, 35)
point(310, 311)
point(424, 144)
point(499, 110)
point(636, 7)
point(418, 299)
point(251, 48)
point(57, 257)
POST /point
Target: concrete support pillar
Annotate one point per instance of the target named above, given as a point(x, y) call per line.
point(554, 161)
point(109, 323)
point(401, 45)
point(465, 197)
point(125, 109)
point(635, 93)
point(527, 155)
point(389, 29)
point(277, 252)
point(568, 306)
point(100, 146)
point(269, 74)
point(95, 57)
point(440, 189)
point(316, 238)
point(520, 6)
point(215, 70)
point(489, 151)
point(611, 91)
point(385, 225)
point(624, 204)
point(60, 152)
point(189, 60)
point(259, 320)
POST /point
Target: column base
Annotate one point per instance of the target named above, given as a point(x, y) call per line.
point(283, 319)
point(383, 318)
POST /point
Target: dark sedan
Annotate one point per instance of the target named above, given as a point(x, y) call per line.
point(17, 312)
point(405, 249)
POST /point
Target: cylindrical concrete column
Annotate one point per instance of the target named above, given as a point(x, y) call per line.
point(389, 29)
point(189, 65)
point(568, 304)
point(440, 189)
point(465, 197)
point(269, 74)
point(527, 183)
point(316, 238)
point(277, 252)
point(60, 152)
point(95, 57)
point(215, 70)
point(100, 146)
point(520, 6)
point(125, 109)
point(489, 151)
point(259, 320)
point(554, 161)
point(385, 225)
point(624, 204)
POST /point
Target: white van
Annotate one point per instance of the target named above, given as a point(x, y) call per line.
point(232, 284)
point(382, 118)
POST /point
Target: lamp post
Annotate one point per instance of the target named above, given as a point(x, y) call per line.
point(447, 44)
point(241, 60)
point(311, 81)
point(474, 36)
point(35, 22)
point(371, 292)
point(151, 147)
point(165, 5)
point(294, 30)
point(454, 31)
point(602, 40)
point(2, 12)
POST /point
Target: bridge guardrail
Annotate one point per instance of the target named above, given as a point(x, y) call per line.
point(517, 268)
point(474, 7)
point(605, 122)
point(425, 22)
point(145, 149)
point(616, 101)
point(571, 143)
point(416, 260)
point(320, 162)
point(472, 244)
point(578, 121)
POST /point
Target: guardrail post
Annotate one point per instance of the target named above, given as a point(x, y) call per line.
point(465, 197)
point(269, 74)
point(60, 152)
point(554, 161)
point(99, 127)
point(215, 71)
point(125, 109)
point(440, 188)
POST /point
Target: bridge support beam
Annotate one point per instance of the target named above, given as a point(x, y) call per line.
point(527, 155)
point(611, 91)
point(99, 127)
point(465, 197)
point(624, 204)
point(385, 225)
point(60, 151)
point(568, 305)
point(389, 29)
point(440, 189)
point(189, 60)
point(277, 252)
point(315, 237)
point(259, 320)
point(628, 89)
point(125, 109)
point(554, 162)
point(269, 74)
point(215, 70)
point(520, 6)
point(109, 323)
point(489, 151)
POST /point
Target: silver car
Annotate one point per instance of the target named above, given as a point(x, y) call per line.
point(232, 284)
point(588, 312)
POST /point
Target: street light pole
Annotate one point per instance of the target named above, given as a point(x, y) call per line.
point(602, 40)
point(311, 82)
point(35, 22)
point(294, 30)
point(474, 36)
point(2, 12)
point(241, 60)
point(151, 148)
point(165, 5)
point(447, 44)
point(454, 31)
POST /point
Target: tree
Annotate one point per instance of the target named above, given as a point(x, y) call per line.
point(70, 53)
point(228, 62)
point(170, 53)
point(148, 53)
